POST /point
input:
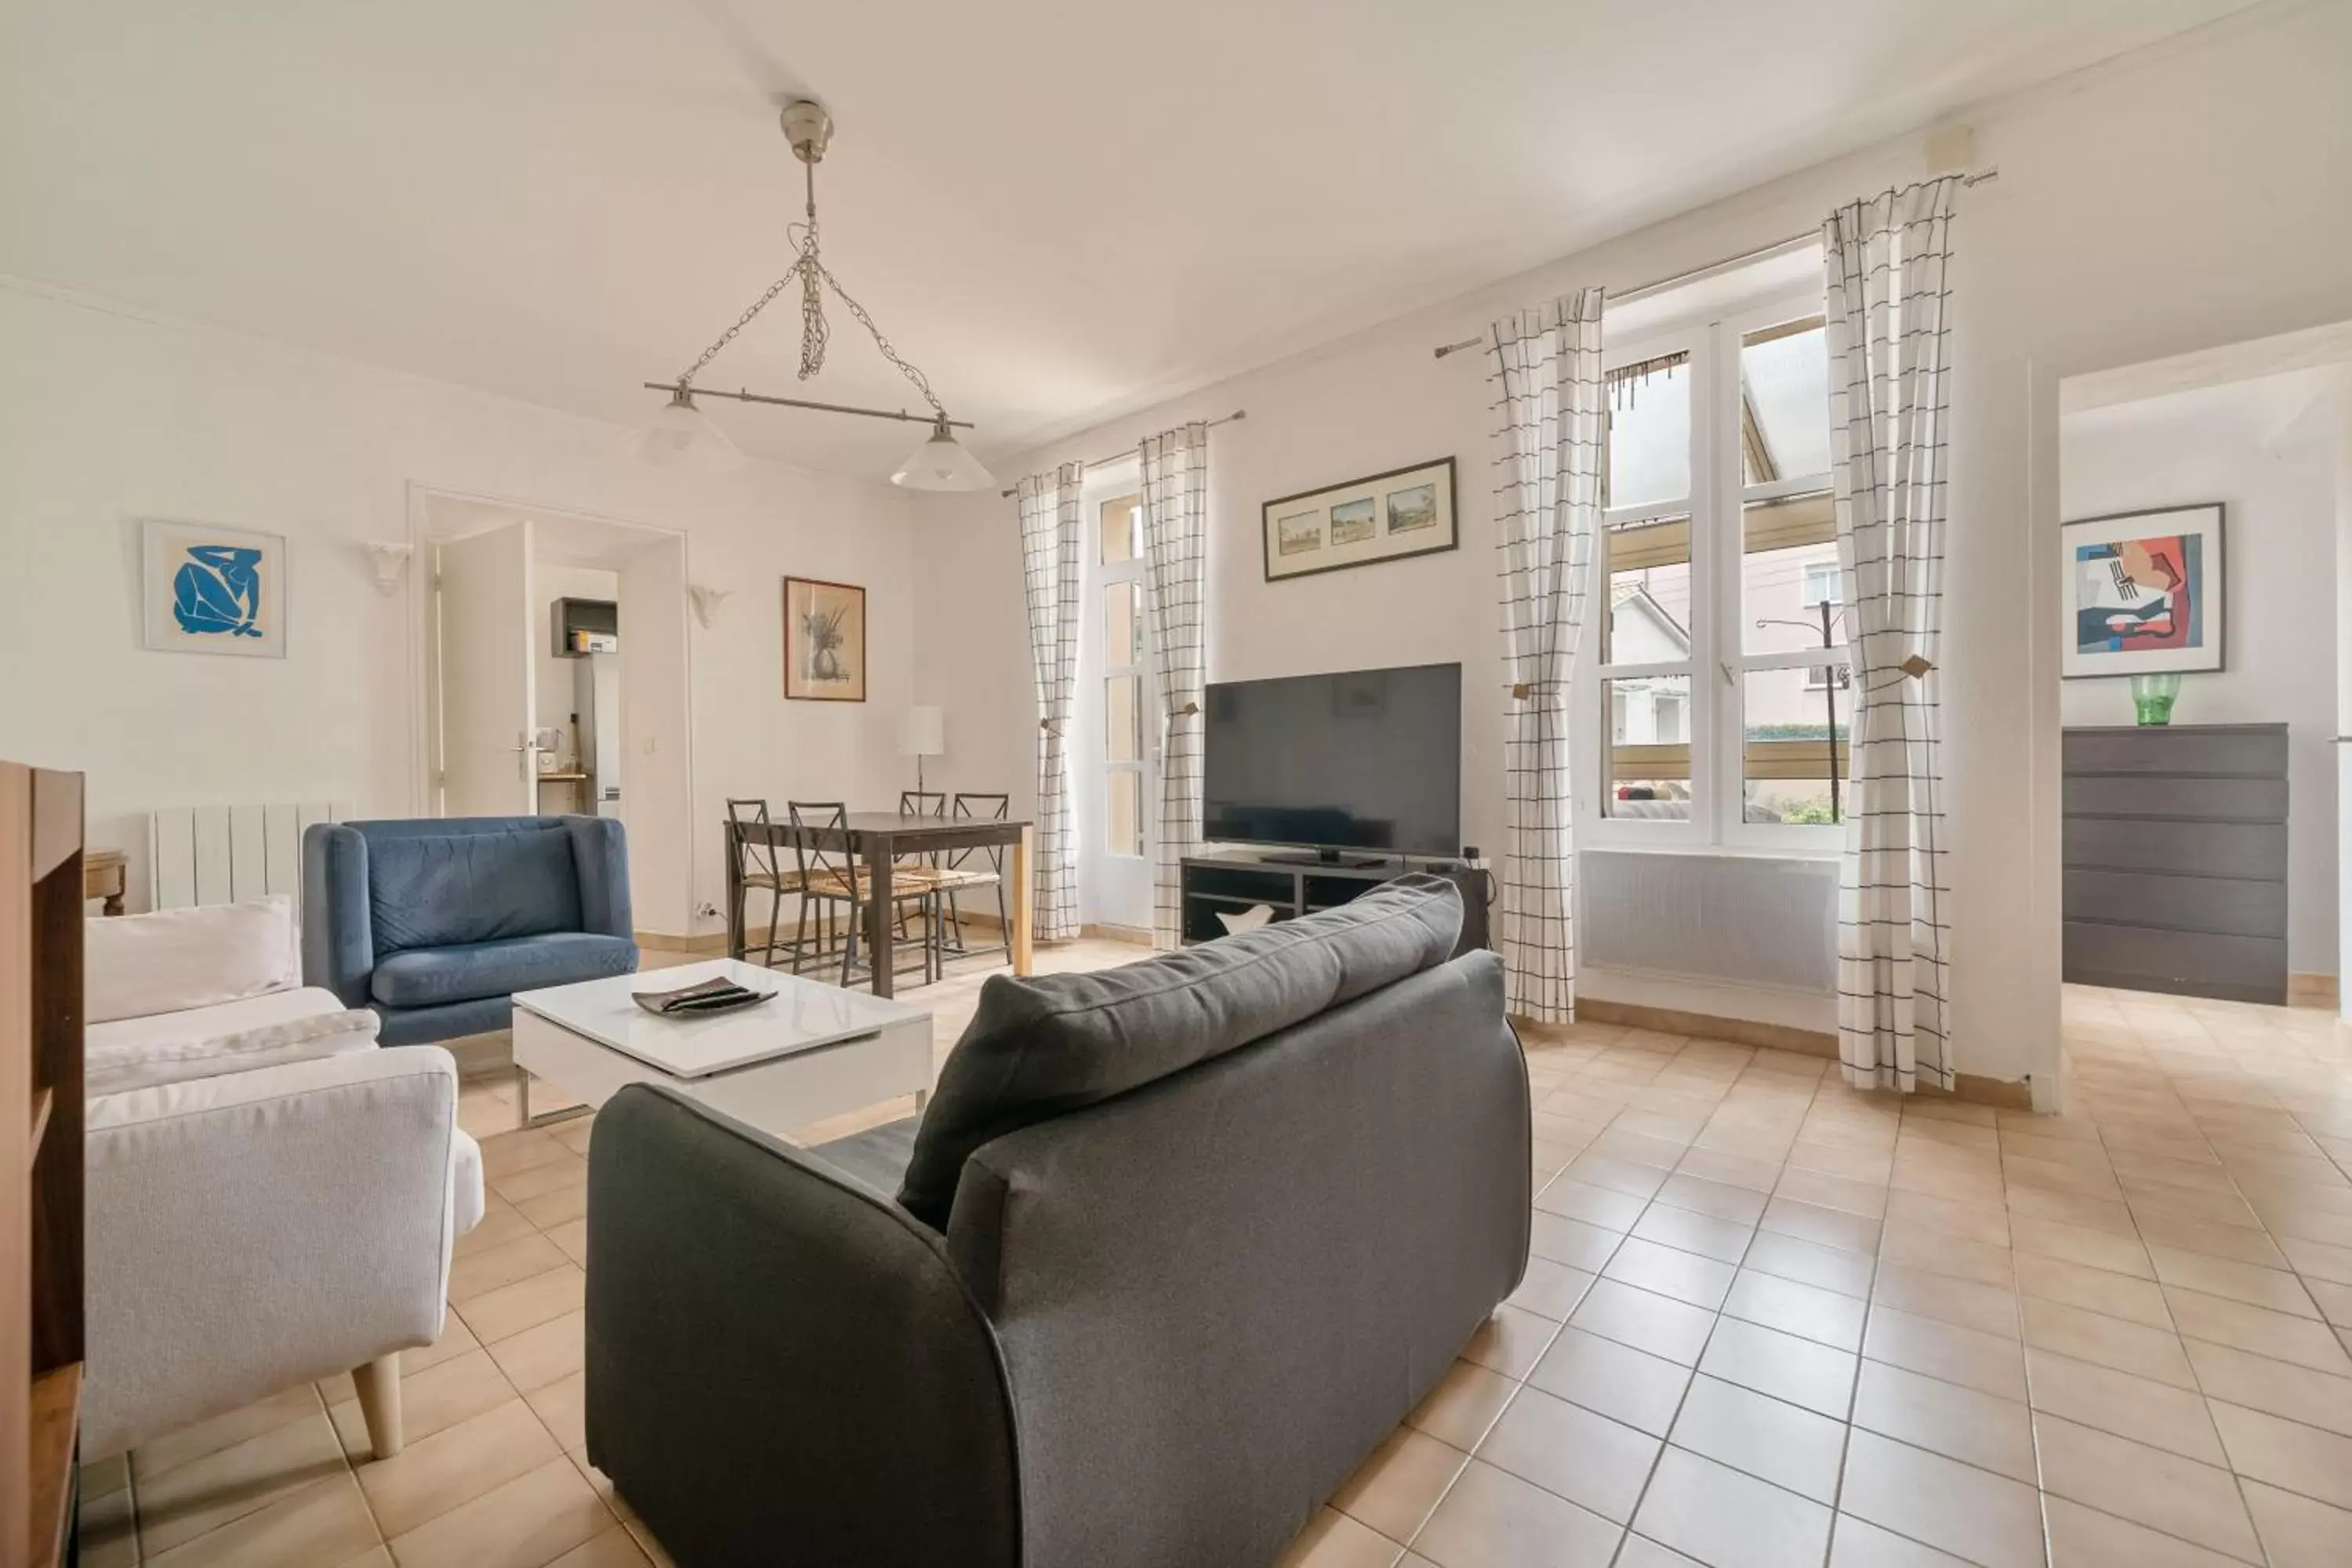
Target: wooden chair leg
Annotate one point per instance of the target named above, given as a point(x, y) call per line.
point(379, 1386)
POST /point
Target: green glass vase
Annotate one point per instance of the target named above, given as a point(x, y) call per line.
point(2152, 697)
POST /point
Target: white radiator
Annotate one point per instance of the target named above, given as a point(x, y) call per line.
point(219, 854)
point(1740, 919)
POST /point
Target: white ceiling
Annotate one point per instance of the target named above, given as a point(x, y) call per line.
point(1062, 212)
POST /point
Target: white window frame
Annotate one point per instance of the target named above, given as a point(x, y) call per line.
point(1108, 573)
point(1589, 695)
point(1735, 830)
point(1715, 717)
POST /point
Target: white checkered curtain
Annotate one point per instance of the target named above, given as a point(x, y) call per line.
point(1051, 538)
point(1889, 303)
point(1175, 544)
point(1549, 441)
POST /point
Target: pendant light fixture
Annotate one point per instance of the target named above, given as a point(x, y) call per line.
point(681, 434)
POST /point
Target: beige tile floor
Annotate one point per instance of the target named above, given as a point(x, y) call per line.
point(1768, 1321)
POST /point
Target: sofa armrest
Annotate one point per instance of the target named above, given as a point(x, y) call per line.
point(600, 852)
point(753, 1313)
point(252, 1231)
point(338, 928)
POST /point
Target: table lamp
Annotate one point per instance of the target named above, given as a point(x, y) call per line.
point(922, 733)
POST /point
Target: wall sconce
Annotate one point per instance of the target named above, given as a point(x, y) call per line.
point(387, 560)
point(706, 603)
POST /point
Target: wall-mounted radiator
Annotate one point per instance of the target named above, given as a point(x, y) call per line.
point(219, 854)
point(1735, 919)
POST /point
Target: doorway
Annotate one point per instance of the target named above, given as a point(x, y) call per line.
point(1115, 760)
point(556, 681)
point(2206, 534)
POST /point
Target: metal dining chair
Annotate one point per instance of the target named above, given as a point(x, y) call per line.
point(758, 864)
point(831, 877)
point(968, 870)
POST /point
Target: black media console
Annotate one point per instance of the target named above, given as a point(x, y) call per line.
point(1232, 883)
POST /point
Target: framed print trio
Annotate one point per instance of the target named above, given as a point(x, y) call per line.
point(1383, 517)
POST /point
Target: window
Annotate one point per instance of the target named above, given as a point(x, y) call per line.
point(1645, 561)
point(1124, 697)
point(1721, 686)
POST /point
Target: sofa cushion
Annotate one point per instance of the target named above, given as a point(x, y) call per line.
point(427, 977)
point(877, 1156)
point(123, 1037)
point(173, 960)
point(123, 1068)
point(1039, 1047)
point(441, 890)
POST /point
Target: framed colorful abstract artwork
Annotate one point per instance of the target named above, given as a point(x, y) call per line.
point(212, 590)
point(2145, 592)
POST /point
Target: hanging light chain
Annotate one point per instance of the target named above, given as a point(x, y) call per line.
point(815, 332)
point(922, 383)
point(778, 287)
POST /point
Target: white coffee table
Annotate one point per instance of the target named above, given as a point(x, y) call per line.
point(812, 1052)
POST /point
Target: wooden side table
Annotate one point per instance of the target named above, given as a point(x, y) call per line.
point(103, 876)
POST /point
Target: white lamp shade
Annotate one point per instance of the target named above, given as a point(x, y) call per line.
point(923, 732)
point(943, 464)
point(682, 436)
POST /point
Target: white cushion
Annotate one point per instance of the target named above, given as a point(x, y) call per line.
point(137, 965)
point(123, 1068)
point(131, 1034)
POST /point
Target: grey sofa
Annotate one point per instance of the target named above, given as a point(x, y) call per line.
point(1173, 1246)
point(435, 924)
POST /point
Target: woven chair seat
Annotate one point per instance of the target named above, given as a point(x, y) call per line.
point(965, 876)
point(905, 882)
point(784, 881)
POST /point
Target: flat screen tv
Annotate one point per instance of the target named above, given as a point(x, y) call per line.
point(1367, 760)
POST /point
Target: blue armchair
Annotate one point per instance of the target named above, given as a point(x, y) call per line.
point(435, 923)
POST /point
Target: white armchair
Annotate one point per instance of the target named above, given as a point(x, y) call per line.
point(271, 1197)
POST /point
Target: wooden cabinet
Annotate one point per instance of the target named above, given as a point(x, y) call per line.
point(2176, 859)
point(41, 903)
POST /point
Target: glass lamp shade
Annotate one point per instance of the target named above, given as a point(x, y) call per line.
point(943, 464)
point(682, 436)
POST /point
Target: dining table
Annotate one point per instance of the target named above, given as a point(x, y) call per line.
point(878, 838)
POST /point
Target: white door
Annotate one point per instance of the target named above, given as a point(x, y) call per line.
point(1114, 766)
point(656, 804)
point(489, 674)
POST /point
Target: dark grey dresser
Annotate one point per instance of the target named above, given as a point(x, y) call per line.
point(2175, 851)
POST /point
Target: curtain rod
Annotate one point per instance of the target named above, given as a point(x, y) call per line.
point(1692, 275)
point(1105, 462)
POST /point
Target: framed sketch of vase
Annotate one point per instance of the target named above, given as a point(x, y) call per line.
point(212, 590)
point(2145, 592)
point(1383, 517)
point(824, 641)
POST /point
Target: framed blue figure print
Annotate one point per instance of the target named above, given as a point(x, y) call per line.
point(212, 590)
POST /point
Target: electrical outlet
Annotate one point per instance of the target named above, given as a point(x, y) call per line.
point(711, 910)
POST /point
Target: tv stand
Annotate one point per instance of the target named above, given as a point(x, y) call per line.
point(1295, 885)
point(1326, 858)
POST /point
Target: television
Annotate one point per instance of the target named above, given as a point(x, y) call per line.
point(1366, 759)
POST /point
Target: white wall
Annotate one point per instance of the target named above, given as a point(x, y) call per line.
point(550, 582)
point(2278, 487)
point(106, 416)
point(2194, 194)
